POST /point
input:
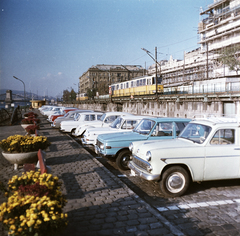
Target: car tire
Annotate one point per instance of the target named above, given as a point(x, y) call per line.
point(123, 159)
point(72, 131)
point(174, 182)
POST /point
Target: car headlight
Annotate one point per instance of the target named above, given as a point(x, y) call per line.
point(102, 146)
point(148, 156)
point(131, 147)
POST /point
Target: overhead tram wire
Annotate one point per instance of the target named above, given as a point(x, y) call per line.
point(163, 47)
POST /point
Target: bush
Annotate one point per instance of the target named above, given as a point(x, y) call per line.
point(24, 143)
point(34, 205)
point(31, 129)
point(30, 120)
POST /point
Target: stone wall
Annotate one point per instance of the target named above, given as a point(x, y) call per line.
point(164, 109)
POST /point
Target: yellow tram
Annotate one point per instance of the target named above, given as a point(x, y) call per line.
point(145, 85)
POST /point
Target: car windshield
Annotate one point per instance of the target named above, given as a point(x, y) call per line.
point(144, 127)
point(78, 115)
point(66, 115)
point(103, 117)
point(196, 132)
point(117, 123)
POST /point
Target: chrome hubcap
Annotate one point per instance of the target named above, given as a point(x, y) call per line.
point(175, 182)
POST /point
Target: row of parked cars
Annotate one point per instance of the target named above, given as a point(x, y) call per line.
point(173, 151)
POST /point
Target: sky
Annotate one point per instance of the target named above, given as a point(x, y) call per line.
point(49, 44)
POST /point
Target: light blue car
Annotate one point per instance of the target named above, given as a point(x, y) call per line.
point(116, 145)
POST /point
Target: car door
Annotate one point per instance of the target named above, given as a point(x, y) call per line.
point(222, 159)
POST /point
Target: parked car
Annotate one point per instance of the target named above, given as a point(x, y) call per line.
point(60, 113)
point(116, 145)
point(106, 120)
point(121, 124)
point(46, 108)
point(81, 118)
point(71, 115)
point(52, 110)
point(207, 149)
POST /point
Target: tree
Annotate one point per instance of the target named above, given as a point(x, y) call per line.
point(69, 95)
point(65, 95)
point(231, 58)
point(103, 88)
point(91, 93)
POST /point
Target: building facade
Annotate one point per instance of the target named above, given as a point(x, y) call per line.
point(101, 76)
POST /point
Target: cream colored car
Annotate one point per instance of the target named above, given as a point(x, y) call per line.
point(207, 149)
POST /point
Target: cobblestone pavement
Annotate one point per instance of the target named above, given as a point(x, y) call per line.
point(101, 202)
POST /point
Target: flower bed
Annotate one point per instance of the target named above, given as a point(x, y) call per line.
point(34, 205)
point(31, 129)
point(30, 120)
point(24, 143)
point(31, 114)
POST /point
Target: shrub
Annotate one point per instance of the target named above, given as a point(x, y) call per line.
point(34, 205)
point(31, 129)
point(24, 143)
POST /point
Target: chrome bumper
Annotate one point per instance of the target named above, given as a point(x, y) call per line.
point(142, 174)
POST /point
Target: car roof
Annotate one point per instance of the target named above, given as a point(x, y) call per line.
point(169, 119)
point(221, 121)
point(118, 113)
point(133, 117)
point(91, 113)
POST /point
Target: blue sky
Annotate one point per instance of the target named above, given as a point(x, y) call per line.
point(49, 44)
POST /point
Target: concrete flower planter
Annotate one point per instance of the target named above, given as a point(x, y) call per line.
point(20, 158)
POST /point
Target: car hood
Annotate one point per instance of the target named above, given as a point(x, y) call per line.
point(100, 130)
point(122, 136)
point(141, 148)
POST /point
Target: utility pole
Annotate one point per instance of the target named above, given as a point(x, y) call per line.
point(156, 72)
point(155, 59)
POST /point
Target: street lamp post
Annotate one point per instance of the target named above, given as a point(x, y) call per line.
point(155, 59)
point(24, 89)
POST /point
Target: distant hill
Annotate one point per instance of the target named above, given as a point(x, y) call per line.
point(28, 95)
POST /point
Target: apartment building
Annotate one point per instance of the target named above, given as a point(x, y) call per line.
point(200, 71)
point(101, 76)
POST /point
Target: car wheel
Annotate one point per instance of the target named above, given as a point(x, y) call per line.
point(72, 131)
point(123, 159)
point(175, 181)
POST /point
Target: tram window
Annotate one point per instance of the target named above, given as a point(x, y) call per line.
point(131, 84)
point(159, 80)
point(127, 85)
point(140, 82)
point(121, 86)
point(117, 87)
point(137, 83)
point(153, 80)
point(144, 82)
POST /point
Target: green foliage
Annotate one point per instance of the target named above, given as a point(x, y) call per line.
point(231, 58)
point(69, 95)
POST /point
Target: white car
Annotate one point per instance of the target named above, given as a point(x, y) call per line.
point(53, 110)
point(80, 119)
point(105, 121)
point(71, 115)
point(46, 108)
point(121, 124)
point(207, 149)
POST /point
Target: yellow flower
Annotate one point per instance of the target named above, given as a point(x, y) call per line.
point(30, 223)
point(39, 222)
point(12, 227)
